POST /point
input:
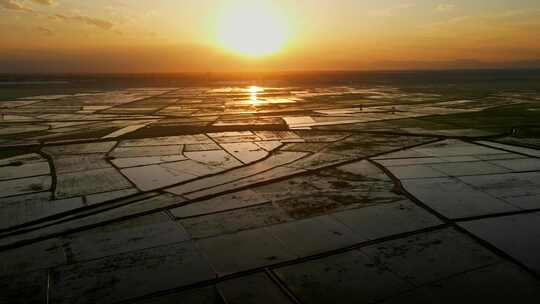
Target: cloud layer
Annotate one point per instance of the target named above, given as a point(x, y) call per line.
point(100, 23)
point(44, 2)
point(14, 6)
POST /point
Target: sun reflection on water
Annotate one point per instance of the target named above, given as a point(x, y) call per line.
point(254, 91)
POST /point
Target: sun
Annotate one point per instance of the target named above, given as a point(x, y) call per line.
point(252, 28)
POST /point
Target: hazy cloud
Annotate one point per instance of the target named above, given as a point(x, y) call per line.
point(507, 21)
point(103, 24)
point(494, 35)
point(44, 31)
point(14, 6)
point(44, 2)
point(391, 11)
point(445, 7)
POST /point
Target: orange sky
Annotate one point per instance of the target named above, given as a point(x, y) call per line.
point(212, 35)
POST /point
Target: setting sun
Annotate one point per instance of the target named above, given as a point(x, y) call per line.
point(251, 28)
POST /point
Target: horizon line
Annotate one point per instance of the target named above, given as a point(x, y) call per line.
point(295, 71)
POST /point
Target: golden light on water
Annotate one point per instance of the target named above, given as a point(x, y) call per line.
point(253, 91)
point(253, 99)
point(251, 28)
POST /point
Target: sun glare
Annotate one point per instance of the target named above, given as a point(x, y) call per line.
point(253, 94)
point(251, 28)
point(254, 89)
